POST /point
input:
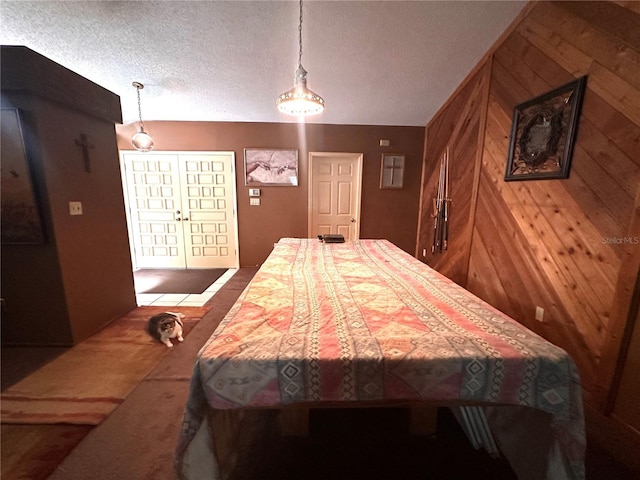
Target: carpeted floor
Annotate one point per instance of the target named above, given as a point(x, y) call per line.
point(32, 452)
point(140, 433)
point(195, 280)
point(137, 440)
point(86, 383)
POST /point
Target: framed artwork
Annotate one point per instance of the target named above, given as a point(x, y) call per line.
point(543, 132)
point(270, 167)
point(392, 170)
point(21, 222)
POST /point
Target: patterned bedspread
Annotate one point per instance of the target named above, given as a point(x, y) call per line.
point(363, 322)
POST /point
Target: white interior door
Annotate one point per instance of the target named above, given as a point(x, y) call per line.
point(181, 209)
point(334, 194)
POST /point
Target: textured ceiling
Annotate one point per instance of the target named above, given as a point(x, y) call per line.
point(374, 62)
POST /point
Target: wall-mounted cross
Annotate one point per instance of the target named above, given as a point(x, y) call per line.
point(84, 143)
point(394, 169)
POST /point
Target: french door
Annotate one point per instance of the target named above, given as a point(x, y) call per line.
point(181, 209)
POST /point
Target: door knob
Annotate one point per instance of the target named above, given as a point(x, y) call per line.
point(353, 220)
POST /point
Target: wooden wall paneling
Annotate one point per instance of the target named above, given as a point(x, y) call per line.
point(537, 61)
point(455, 259)
point(621, 303)
point(575, 249)
point(614, 126)
point(632, 5)
point(614, 162)
point(570, 223)
point(483, 271)
point(459, 126)
point(527, 209)
point(606, 160)
point(523, 75)
point(539, 263)
point(484, 95)
point(506, 90)
point(583, 194)
point(620, 94)
point(495, 215)
point(618, 439)
point(498, 254)
point(425, 219)
point(570, 246)
point(494, 218)
point(626, 387)
point(611, 55)
point(572, 59)
point(609, 19)
point(585, 308)
point(611, 194)
point(422, 199)
point(603, 45)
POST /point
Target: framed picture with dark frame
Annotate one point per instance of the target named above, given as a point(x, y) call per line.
point(392, 170)
point(543, 132)
point(21, 221)
point(264, 166)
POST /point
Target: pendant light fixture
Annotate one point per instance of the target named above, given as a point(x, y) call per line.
point(300, 101)
point(141, 141)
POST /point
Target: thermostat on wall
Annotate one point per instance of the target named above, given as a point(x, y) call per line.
point(254, 192)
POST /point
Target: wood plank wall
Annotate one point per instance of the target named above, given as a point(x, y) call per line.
point(569, 246)
point(460, 127)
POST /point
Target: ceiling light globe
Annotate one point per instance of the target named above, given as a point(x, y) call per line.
point(142, 141)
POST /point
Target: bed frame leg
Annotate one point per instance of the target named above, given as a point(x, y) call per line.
point(294, 422)
point(423, 420)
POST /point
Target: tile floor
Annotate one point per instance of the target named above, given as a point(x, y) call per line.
point(185, 299)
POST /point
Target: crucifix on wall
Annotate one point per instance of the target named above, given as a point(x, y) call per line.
point(84, 143)
point(392, 171)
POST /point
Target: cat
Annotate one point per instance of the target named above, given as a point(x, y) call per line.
point(165, 326)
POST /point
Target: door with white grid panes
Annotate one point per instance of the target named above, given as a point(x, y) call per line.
point(181, 209)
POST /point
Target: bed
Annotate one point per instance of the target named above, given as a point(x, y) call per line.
point(365, 323)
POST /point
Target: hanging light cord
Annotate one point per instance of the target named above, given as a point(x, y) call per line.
point(300, 38)
point(139, 108)
point(300, 101)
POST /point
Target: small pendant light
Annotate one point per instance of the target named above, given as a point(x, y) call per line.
point(300, 101)
point(141, 141)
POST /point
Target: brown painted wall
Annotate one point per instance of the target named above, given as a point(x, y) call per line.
point(81, 278)
point(570, 246)
point(390, 214)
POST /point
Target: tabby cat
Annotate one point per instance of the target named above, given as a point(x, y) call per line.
point(165, 326)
